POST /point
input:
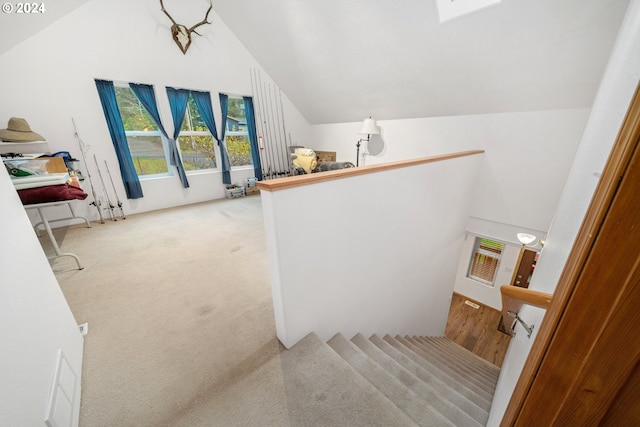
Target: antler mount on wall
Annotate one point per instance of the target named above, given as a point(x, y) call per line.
point(181, 34)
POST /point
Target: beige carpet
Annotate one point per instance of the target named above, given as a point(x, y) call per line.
point(181, 334)
point(181, 329)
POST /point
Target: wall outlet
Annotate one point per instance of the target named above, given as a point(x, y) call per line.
point(84, 329)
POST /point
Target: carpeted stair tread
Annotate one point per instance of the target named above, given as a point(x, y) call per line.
point(459, 353)
point(323, 389)
point(479, 398)
point(464, 356)
point(447, 368)
point(416, 408)
point(448, 346)
point(444, 399)
point(425, 374)
point(460, 366)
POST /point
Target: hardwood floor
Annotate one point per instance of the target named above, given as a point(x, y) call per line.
point(476, 329)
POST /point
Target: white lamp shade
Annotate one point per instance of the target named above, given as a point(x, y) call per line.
point(369, 127)
point(526, 238)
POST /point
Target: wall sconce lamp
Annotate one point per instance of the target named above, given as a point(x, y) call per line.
point(369, 128)
point(529, 240)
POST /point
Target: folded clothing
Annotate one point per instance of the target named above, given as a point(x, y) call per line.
point(304, 158)
point(51, 193)
point(34, 181)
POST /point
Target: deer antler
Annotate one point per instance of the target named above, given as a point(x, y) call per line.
point(181, 34)
point(204, 21)
point(167, 13)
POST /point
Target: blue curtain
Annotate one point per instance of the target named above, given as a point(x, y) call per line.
point(178, 103)
point(203, 103)
point(253, 136)
point(130, 179)
point(226, 167)
point(147, 97)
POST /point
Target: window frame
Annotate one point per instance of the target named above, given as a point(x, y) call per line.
point(478, 250)
point(189, 133)
point(245, 133)
point(154, 133)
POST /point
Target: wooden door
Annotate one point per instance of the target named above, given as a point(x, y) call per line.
point(526, 265)
point(583, 367)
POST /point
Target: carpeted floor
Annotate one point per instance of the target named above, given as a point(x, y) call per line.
point(181, 329)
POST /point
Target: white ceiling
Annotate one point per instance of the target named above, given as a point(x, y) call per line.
point(17, 27)
point(341, 61)
point(344, 60)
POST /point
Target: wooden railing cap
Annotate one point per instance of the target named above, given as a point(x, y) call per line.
point(527, 296)
point(300, 180)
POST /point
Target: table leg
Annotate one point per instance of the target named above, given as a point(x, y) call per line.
point(56, 248)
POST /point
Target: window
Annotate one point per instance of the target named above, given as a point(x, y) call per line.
point(145, 140)
point(485, 260)
point(195, 141)
point(237, 136)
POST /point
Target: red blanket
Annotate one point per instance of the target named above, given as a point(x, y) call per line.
point(51, 193)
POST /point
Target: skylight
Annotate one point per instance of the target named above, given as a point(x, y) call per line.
point(450, 9)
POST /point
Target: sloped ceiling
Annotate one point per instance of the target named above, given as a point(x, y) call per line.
point(342, 61)
point(16, 27)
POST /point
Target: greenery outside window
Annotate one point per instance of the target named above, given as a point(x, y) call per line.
point(485, 260)
point(146, 144)
point(195, 142)
point(236, 135)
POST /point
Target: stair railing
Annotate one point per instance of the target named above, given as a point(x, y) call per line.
point(513, 298)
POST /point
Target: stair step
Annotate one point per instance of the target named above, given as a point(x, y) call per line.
point(323, 388)
point(446, 368)
point(481, 398)
point(403, 397)
point(449, 346)
point(457, 364)
point(444, 399)
point(428, 373)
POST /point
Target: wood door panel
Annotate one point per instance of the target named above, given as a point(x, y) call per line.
point(583, 366)
point(625, 410)
point(609, 276)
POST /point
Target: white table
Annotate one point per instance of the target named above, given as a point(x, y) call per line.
point(40, 207)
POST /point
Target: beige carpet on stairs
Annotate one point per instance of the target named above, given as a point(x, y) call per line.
point(181, 334)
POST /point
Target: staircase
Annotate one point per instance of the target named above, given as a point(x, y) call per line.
point(401, 381)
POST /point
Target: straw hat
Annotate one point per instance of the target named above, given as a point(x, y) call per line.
point(18, 130)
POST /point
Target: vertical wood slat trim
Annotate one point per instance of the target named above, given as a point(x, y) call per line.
point(603, 196)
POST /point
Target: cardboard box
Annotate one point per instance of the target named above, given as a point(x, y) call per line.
point(325, 156)
point(251, 190)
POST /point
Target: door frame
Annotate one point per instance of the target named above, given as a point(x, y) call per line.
point(569, 389)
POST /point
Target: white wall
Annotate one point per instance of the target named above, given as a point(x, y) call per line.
point(487, 294)
point(374, 253)
point(527, 157)
point(616, 90)
point(49, 78)
point(35, 320)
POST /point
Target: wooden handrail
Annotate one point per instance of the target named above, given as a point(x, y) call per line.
point(527, 296)
point(514, 297)
point(300, 180)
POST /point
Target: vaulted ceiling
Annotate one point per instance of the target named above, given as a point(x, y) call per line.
point(343, 60)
